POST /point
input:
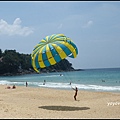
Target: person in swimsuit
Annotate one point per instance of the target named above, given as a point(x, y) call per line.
point(14, 87)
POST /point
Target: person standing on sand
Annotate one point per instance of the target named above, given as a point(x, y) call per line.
point(26, 84)
point(76, 90)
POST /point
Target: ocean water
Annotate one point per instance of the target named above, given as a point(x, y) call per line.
point(107, 79)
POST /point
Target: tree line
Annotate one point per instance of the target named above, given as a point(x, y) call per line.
point(13, 63)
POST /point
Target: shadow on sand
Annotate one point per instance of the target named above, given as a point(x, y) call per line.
point(63, 108)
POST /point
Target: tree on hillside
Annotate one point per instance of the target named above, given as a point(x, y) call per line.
point(0, 53)
point(14, 62)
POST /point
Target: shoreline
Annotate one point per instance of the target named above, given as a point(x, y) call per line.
point(57, 88)
point(33, 102)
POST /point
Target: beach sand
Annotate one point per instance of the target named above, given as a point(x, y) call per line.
point(45, 103)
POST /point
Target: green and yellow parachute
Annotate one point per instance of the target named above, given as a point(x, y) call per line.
point(51, 50)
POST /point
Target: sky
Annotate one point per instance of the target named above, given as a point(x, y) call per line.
point(94, 26)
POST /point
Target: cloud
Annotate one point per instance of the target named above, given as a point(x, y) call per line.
point(15, 28)
point(88, 24)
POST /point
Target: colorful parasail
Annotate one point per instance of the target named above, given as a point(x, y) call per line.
point(51, 50)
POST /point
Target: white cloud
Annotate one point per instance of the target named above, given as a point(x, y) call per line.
point(17, 21)
point(15, 28)
point(88, 24)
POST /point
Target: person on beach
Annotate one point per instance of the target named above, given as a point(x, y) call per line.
point(8, 87)
point(26, 84)
point(13, 87)
point(44, 82)
point(76, 90)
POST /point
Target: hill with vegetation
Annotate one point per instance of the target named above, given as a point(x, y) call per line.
point(15, 63)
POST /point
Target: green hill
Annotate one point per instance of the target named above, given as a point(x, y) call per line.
point(14, 63)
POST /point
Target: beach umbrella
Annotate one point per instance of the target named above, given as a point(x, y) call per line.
point(51, 50)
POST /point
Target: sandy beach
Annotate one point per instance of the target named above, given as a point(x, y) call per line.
point(44, 103)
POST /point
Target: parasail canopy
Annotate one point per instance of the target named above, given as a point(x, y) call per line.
point(51, 50)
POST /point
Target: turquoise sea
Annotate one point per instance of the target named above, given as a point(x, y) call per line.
point(107, 79)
